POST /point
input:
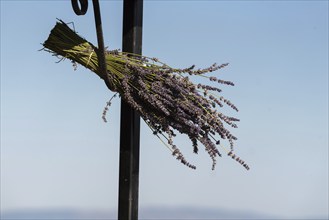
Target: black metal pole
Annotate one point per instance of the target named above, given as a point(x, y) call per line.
point(130, 120)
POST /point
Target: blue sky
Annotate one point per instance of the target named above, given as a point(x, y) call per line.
point(57, 153)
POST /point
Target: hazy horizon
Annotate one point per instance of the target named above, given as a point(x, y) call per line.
point(155, 212)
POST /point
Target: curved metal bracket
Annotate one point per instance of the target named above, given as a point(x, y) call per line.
point(82, 9)
point(99, 31)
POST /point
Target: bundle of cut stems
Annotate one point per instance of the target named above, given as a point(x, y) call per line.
point(164, 97)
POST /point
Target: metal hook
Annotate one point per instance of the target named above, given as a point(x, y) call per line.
point(99, 32)
point(77, 9)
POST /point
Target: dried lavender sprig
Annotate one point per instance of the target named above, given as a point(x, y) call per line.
point(175, 151)
point(106, 108)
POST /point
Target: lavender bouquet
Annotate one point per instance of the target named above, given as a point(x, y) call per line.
point(165, 98)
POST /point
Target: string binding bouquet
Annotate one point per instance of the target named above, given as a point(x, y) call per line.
point(165, 98)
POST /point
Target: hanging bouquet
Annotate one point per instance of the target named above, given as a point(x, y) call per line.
point(165, 98)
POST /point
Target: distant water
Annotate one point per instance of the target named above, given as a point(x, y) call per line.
point(144, 213)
